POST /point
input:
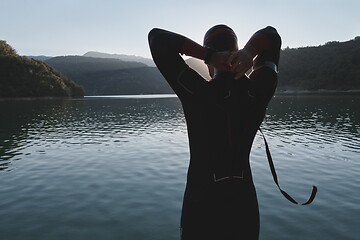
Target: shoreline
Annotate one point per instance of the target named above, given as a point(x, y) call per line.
point(36, 98)
point(170, 95)
point(321, 91)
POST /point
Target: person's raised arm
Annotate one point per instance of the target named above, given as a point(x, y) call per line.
point(264, 45)
point(165, 48)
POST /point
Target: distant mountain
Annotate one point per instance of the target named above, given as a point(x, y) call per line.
point(101, 76)
point(25, 77)
point(41, 57)
point(76, 64)
point(128, 58)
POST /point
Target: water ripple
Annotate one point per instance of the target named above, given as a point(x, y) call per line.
point(116, 168)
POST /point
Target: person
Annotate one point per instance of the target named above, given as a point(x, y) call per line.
point(222, 117)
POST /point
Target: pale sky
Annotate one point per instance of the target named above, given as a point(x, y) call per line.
point(73, 27)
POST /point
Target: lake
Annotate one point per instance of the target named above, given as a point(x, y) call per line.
point(115, 168)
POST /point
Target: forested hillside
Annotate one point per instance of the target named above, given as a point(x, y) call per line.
point(25, 77)
point(333, 66)
point(102, 76)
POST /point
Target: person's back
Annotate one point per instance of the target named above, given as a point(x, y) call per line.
point(222, 118)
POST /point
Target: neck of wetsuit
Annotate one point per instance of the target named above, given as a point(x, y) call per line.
point(225, 79)
point(224, 75)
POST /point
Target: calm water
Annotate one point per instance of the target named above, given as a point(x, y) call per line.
point(114, 168)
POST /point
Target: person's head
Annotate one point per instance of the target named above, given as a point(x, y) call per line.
point(220, 38)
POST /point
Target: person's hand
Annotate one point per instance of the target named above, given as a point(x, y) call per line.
point(239, 63)
point(219, 60)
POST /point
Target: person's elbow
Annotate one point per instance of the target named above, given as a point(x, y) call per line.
point(154, 37)
point(274, 36)
point(153, 32)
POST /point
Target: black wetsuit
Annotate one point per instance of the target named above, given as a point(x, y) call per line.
point(222, 117)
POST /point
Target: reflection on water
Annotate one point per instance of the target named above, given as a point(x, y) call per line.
point(316, 120)
point(115, 168)
point(81, 122)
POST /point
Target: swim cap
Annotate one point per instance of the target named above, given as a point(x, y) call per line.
point(220, 38)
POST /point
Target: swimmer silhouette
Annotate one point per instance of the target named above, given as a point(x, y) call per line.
point(222, 117)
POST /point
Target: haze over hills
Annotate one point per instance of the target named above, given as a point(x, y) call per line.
point(40, 57)
point(109, 76)
point(95, 54)
point(128, 58)
point(75, 64)
point(199, 66)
